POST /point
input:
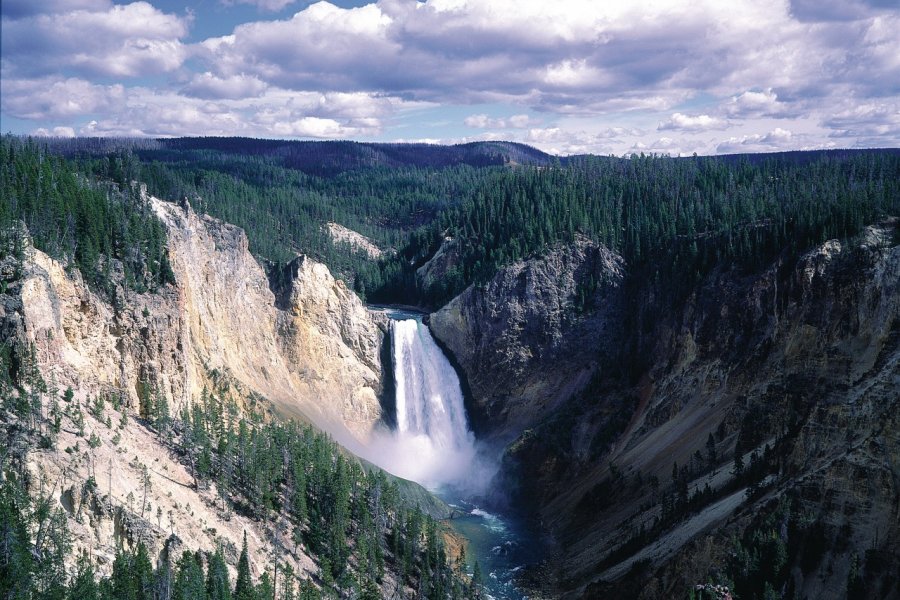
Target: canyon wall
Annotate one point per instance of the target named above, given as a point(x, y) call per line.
point(794, 367)
point(301, 345)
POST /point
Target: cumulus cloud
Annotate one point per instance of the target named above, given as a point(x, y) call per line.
point(207, 85)
point(121, 40)
point(141, 111)
point(667, 146)
point(682, 122)
point(54, 98)
point(322, 46)
point(580, 56)
point(871, 124)
point(777, 139)
point(564, 141)
point(316, 127)
point(482, 121)
point(63, 132)
point(753, 103)
point(682, 67)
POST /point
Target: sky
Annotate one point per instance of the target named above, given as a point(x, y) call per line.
point(567, 76)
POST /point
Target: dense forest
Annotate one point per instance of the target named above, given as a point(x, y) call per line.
point(672, 219)
point(104, 228)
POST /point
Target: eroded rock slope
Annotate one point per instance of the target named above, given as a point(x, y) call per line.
point(309, 349)
point(794, 368)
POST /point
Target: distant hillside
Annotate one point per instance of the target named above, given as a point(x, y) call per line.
point(320, 158)
point(329, 158)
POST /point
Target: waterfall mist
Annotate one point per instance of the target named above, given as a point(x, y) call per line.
point(432, 443)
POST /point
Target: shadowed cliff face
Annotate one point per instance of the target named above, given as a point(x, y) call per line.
point(534, 335)
point(802, 358)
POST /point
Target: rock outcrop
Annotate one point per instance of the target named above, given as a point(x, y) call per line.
point(343, 235)
point(535, 334)
point(802, 357)
point(313, 353)
point(302, 342)
point(434, 272)
point(293, 352)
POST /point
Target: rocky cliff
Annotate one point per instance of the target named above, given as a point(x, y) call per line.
point(761, 419)
point(535, 334)
point(314, 351)
point(302, 342)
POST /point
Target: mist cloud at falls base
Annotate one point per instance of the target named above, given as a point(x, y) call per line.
point(432, 443)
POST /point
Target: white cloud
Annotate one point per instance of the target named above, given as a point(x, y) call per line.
point(756, 104)
point(777, 139)
point(56, 98)
point(64, 132)
point(482, 121)
point(276, 113)
point(315, 127)
point(667, 146)
point(122, 41)
point(579, 57)
point(870, 124)
point(564, 141)
point(682, 122)
point(207, 85)
point(322, 46)
point(574, 74)
point(599, 74)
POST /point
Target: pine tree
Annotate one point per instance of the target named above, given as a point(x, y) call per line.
point(243, 587)
point(477, 583)
point(189, 584)
point(84, 584)
point(265, 590)
point(218, 586)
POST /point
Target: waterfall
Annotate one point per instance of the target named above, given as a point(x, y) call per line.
point(429, 398)
point(434, 443)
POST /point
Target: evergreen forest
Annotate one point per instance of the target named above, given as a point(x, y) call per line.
point(673, 219)
point(359, 523)
point(84, 202)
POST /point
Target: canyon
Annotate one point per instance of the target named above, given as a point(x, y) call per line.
point(650, 435)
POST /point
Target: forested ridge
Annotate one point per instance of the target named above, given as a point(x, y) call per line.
point(105, 227)
point(358, 524)
point(672, 219)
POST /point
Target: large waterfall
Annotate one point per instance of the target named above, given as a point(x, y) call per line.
point(429, 398)
point(433, 443)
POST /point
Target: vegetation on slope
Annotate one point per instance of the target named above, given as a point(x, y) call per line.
point(104, 229)
point(672, 219)
point(356, 523)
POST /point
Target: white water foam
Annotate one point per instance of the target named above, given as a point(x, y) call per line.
point(432, 443)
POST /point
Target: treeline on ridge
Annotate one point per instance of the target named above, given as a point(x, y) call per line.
point(103, 228)
point(672, 219)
